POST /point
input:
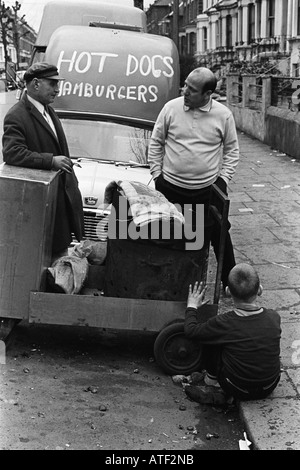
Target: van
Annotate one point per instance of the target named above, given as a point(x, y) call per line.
point(62, 13)
point(116, 80)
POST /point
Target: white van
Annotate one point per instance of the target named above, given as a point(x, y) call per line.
point(58, 13)
point(117, 80)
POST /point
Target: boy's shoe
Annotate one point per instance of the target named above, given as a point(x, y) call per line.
point(211, 382)
point(202, 378)
point(206, 395)
point(197, 378)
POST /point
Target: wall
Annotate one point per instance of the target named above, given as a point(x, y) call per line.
point(283, 131)
point(250, 121)
point(277, 127)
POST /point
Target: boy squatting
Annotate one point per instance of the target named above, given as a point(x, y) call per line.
point(241, 348)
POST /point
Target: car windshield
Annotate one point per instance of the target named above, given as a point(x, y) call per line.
point(102, 140)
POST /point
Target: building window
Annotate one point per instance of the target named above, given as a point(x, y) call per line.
point(183, 45)
point(298, 20)
point(188, 13)
point(194, 9)
point(200, 7)
point(258, 6)
point(12, 54)
point(192, 43)
point(218, 38)
point(228, 31)
point(295, 70)
point(240, 30)
point(205, 39)
point(251, 26)
point(271, 18)
point(184, 14)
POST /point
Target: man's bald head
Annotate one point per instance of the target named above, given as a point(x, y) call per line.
point(199, 86)
point(243, 282)
point(204, 78)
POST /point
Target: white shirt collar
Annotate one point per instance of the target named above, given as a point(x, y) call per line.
point(39, 106)
point(241, 312)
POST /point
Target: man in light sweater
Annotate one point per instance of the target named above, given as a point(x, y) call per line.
point(193, 145)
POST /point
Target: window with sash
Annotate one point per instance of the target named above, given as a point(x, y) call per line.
point(228, 31)
point(271, 18)
point(258, 7)
point(205, 39)
point(218, 36)
point(251, 25)
point(298, 19)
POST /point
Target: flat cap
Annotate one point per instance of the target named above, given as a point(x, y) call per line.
point(42, 70)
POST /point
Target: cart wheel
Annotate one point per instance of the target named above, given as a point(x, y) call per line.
point(6, 327)
point(175, 353)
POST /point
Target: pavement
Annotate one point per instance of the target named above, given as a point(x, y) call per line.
point(265, 218)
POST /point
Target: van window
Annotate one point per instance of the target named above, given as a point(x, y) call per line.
point(102, 140)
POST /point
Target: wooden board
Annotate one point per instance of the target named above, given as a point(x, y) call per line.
point(103, 312)
point(27, 210)
point(151, 271)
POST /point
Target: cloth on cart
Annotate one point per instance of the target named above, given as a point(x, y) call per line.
point(146, 204)
point(68, 273)
point(95, 251)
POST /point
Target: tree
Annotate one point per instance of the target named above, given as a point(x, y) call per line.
point(6, 27)
point(16, 36)
point(187, 64)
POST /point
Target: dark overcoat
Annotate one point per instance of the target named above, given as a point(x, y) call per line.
point(29, 141)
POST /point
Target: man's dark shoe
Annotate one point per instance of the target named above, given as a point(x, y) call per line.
point(206, 395)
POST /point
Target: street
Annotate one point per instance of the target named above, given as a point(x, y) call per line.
point(86, 389)
point(7, 99)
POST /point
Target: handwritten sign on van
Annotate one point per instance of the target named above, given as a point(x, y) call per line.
point(135, 69)
point(114, 72)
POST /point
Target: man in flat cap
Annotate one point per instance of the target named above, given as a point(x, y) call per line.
point(34, 138)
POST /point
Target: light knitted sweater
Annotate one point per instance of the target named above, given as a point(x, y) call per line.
point(192, 147)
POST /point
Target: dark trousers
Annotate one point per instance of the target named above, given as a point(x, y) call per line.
point(182, 196)
point(212, 363)
point(62, 232)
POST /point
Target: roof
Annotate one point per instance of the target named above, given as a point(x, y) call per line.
point(161, 3)
point(59, 13)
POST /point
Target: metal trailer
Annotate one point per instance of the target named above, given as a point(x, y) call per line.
point(27, 209)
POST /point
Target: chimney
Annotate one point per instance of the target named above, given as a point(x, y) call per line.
point(139, 4)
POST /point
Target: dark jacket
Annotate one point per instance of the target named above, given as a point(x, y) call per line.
point(28, 141)
point(250, 344)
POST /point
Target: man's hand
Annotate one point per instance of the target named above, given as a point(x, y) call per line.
point(156, 179)
point(221, 185)
point(196, 295)
point(61, 162)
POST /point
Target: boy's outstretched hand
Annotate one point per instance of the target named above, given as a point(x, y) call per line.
point(196, 295)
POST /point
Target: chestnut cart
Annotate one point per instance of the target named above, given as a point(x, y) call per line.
point(118, 295)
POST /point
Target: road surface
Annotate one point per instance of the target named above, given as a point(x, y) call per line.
point(7, 99)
